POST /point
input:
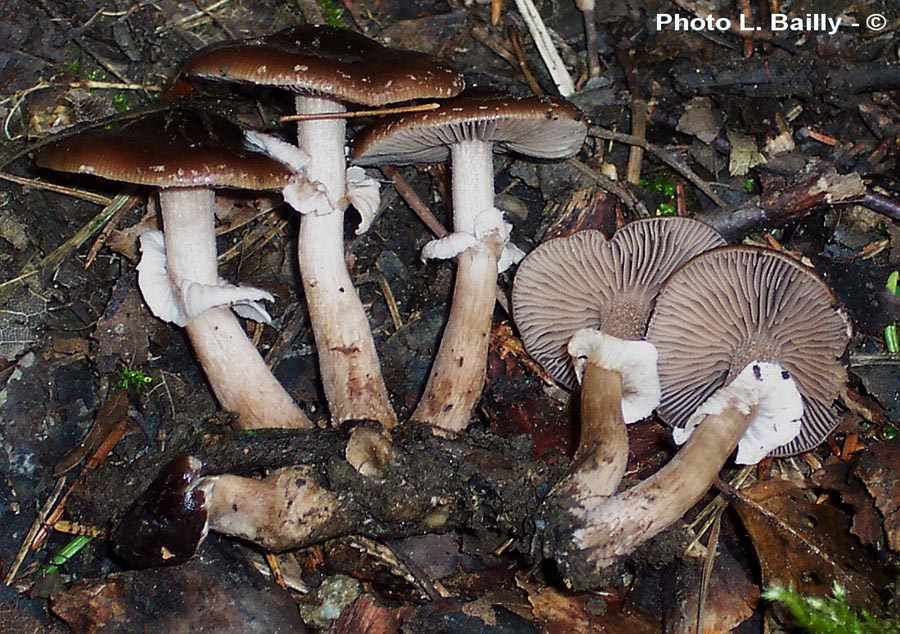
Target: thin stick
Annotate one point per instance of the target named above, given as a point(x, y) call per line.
point(33, 531)
point(95, 224)
point(76, 528)
point(59, 189)
point(523, 65)
point(415, 203)
point(631, 201)
point(588, 12)
point(711, 548)
point(390, 300)
point(275, 567)
point(107, 230)
point(639, 130)
point(496, 11)
point(360, 113)
point(544, 43)
point(662, 155)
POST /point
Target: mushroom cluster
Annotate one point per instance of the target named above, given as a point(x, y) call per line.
point(751, 347)
point(734, 347)
point(582, 304)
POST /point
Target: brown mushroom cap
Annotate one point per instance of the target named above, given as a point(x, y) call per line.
point(328, 62)
point(168, 522)
point(170, 148)
point(542, 127)
point(734, 305)
point(586, 281)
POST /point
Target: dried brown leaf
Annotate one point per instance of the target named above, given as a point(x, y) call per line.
point(878, 468)
point(808, 546)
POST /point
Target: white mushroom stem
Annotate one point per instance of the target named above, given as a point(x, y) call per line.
point(279, 512)
point(351, 374)
point(458, 374)
point(236, 372)
point(613, 527)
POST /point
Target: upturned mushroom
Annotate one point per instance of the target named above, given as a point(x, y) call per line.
point(327, 67)
point(469, 129)
point(168, 523)
point(186, 154)
point(581, 304)
point(750, 348)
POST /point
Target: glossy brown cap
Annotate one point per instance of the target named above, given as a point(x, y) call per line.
point(586, 281)
point(540, 127)
point(170, 148)
point(168, 522)
point(328, 62)
point(734, 305)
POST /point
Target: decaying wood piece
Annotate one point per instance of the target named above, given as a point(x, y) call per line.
point(479, 483)
point(776, 208)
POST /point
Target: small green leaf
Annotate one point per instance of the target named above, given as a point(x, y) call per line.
point(892, 339)
point(893, 283)
point(64, 554)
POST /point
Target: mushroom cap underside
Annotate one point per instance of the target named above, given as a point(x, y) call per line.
point(539, 127)
point(587, 281)
point(734, 305)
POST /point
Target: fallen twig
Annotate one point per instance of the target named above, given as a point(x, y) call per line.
point(662, 155)
point(544, 43)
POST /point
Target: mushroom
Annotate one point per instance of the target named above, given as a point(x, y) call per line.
point(327, 67)
point(170, 520)
point(581, 304)
point(186, 154)
point(469, 129)
point(750, 345)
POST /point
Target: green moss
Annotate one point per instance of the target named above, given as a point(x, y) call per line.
point(332, 12)
point(132, 378)
point(829, 615)
point(661, 182)
point(121, 102)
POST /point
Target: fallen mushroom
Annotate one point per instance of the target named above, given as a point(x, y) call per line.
point(581, 304)
point(469, 130)
point(328, 67)
point(750, 355)
point(169, 522)
point(186, 154)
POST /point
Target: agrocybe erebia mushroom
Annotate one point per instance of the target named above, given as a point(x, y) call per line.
point(293, 500)
point(187, 154)
point(469, 129)
point(328, 67)
point(581, 304)
point(750, 346)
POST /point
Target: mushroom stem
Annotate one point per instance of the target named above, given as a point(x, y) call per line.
point(616, 526)
point(285, 509)
point(458, 374)
point(351, 374)
point(236, 372)
point(599, 463)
